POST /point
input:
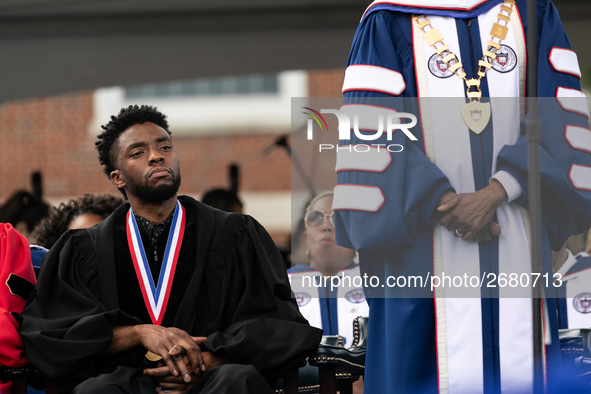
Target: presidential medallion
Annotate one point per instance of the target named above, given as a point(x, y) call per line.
point(476, 115)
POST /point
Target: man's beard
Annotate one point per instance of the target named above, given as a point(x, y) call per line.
point(156, 194)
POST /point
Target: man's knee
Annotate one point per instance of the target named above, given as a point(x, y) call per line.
point(238, 372)
point(98, 386)
point(123, 380)
point(233, 378)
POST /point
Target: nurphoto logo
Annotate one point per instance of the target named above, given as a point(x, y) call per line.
point(386, 123)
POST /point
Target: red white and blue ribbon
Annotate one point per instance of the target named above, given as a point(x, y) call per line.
point(156, 297)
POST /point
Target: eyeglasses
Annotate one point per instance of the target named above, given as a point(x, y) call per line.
point(316, 219)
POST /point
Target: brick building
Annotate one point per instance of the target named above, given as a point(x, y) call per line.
point(56, 135)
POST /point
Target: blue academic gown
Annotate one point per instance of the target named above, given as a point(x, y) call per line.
point(432, 341)
point(37, 254)
point(574, 294)
point(329, 305)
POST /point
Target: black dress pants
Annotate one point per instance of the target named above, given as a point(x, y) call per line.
point(228, 378)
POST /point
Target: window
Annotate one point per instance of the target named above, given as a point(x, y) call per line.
point(256, 84)
point(258, 103)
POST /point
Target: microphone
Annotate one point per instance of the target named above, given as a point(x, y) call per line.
point(234, 176)
point(279, 142)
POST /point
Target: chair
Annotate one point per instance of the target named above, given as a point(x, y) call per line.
point(575, 346)
point(334, 366)
point(339, 367)
point(23, 376)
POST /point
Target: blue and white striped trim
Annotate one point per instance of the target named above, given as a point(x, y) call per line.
point(565, 61)
point(572, 100)
point(435, 4)
point(373, 78)
point(357, 198)
point(370, 159)
point(370, 117)
point(450, 8)
point(578, 138)
point(580, 177)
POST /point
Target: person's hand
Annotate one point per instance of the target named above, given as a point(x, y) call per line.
point(445, 197)
point(160, 391)
point(469, 213)
point(176, 384)
point(486, 234)
point(171, 344)
point(173, 384)
point(211, 360)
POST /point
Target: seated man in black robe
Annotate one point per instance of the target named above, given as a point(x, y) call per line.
point(166, 293)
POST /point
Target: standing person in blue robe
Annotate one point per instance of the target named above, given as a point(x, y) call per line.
point(455, 200)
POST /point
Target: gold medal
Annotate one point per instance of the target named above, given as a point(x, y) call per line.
point(153, 356)
point(476, 115)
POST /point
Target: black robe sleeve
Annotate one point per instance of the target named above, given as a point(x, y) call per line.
point(64, 324)
point(260, 320)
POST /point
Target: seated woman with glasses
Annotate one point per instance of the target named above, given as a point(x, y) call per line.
point(329, 290)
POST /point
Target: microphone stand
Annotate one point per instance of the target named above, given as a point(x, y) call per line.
point(533, 132)
point(283, 142)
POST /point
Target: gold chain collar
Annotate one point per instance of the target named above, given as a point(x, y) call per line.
point(498, 33)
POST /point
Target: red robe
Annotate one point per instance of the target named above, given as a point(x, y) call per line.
point(16, 278)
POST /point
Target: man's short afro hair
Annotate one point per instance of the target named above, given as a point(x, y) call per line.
point(127, 117)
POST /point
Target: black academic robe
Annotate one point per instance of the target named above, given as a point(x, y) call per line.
point(230, 286)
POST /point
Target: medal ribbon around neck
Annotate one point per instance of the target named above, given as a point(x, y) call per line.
point(156, 297)
point(476, 115)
